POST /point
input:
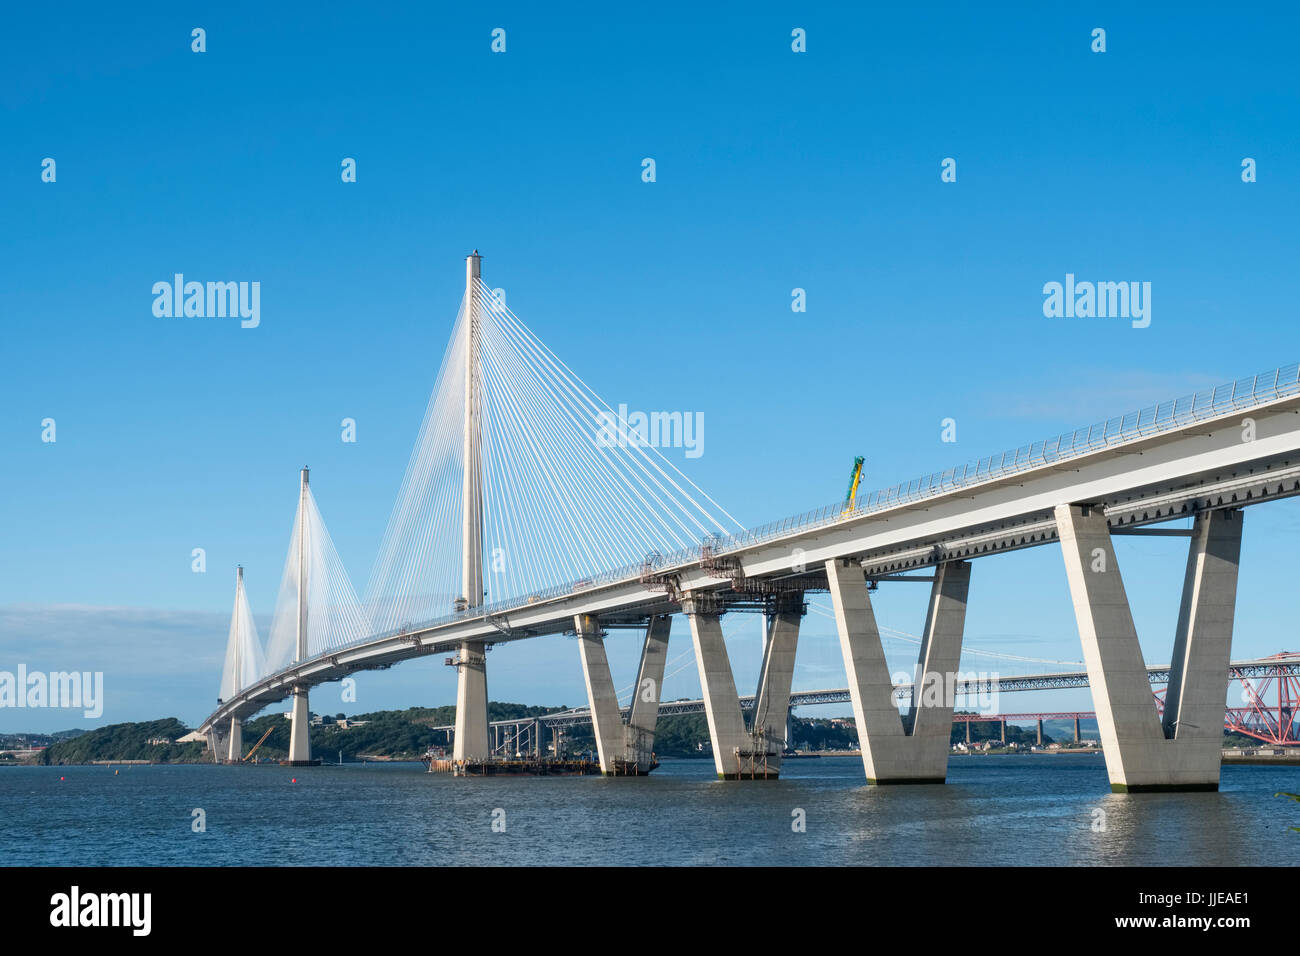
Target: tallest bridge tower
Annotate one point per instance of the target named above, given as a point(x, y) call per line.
point(471, 741)
point(472, 487)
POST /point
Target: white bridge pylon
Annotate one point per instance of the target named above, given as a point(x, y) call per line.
point(245, 663)
point(316, 612)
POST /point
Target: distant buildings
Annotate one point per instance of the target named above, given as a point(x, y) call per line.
point(342, 723)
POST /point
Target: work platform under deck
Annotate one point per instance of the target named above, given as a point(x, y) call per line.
point(545, 767)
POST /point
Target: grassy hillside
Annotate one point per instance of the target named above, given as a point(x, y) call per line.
point(126, 742)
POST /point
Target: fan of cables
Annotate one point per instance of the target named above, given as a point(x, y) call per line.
point(569, 492)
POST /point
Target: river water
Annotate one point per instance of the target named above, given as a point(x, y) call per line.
point(1017, 810)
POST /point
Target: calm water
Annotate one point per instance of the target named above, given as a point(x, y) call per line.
point(1010, 810)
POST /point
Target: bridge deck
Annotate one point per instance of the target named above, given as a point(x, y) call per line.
point(1166, 466)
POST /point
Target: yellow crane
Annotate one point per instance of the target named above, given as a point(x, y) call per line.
point(249, 755)
point(854, 478)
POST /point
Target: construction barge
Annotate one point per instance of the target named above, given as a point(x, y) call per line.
point(437, 762)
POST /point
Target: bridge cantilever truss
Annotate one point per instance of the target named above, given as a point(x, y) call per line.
point(1274, 721)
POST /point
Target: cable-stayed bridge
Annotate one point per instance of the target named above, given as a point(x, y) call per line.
point(528, 508)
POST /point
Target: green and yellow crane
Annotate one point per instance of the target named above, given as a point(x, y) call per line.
point(855, 477)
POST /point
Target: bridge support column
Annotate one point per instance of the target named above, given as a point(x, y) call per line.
point(299, 733)
point(235, 744)
point(643, 719)
point(721, 704)
point(1141, 753)
point(470, 742)
point(624, 749)
point(769, 728)
point(606, 718)
point(896, 748)
point(741, 752)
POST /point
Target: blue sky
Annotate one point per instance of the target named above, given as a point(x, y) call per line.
point(775, 170)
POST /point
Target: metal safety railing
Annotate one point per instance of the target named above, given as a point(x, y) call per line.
point(1166, 416)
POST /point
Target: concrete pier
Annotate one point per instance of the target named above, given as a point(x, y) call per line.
point(606, 720)
point(235, 741)
point(1142, 752)
point(624, 749)
point(299, 739)
point(470, 741)
point(911, 748)
point(740, 751)
point(717, 685)
point(644, 718)
point(769, 726)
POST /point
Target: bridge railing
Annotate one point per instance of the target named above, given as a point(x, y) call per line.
point(1165, 416)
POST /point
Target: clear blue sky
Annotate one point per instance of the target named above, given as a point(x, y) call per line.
point(775, 170)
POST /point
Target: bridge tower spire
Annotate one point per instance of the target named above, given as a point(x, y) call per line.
point(472, 485)
point(299, 741)
point(236, 736)
point(471, 741)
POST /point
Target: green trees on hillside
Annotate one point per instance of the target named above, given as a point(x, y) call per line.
point(126, 742)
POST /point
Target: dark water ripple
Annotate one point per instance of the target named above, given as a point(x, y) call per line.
point(1026, 810)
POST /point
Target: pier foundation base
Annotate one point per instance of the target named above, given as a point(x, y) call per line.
point(470, 742)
